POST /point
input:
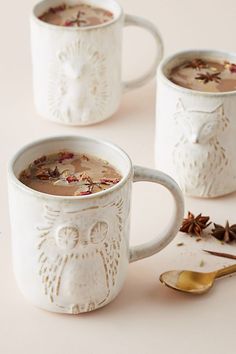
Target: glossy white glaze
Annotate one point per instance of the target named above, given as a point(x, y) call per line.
point(70, 254)
point(77, 70)
point(195, 132)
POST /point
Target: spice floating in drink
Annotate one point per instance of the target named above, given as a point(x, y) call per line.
point(207, 75)
point(80, 15)
point(70, 174)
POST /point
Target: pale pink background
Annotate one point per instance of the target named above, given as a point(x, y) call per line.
point(146, 318)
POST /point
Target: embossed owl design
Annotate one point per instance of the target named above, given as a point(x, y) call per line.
point(78, 89)
point(198, 154)
point(79, 256)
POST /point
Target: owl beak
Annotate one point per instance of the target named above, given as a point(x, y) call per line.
point(194, 139)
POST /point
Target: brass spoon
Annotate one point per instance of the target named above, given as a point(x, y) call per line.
point(194, 282)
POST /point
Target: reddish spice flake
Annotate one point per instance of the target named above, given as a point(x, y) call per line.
point(65, 156)
point(71, 179)
point(197, 64)
point(69, 23)
point(108, 181)
point(232, 68)
point(108, 13)
point(47, 173)
point(43, 176)
point(40, 160)
point(54, 10)
point(85, 193)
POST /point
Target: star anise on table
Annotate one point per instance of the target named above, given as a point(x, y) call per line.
point(207, 77)
point(226, 234)
point(195, 225)
point(196, 64)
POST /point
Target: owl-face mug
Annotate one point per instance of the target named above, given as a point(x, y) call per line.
point(196, 130)
point(77, 70)
point(70, 254)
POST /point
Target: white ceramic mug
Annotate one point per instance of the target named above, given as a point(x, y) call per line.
point(195, 131)
point(77, 71)
point(70, 254)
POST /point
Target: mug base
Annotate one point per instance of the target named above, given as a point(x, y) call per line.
point(78, 123)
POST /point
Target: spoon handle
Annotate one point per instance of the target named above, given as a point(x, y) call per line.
point(226, 271)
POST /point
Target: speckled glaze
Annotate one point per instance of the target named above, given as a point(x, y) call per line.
point(70, 254)
point(77, 70)
point(195, 134)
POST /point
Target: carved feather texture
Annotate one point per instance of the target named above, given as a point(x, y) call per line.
point(78, 87)
point(79, 255)
point(198, 156)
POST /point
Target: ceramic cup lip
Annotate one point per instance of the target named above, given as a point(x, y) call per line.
point(186, 54)
point(49, 26)
point(87, 140)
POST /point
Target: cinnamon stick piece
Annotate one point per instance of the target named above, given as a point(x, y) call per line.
point(221, 254)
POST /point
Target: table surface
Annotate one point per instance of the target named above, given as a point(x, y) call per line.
point(146, 317)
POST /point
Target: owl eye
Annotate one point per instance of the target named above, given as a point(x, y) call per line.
point(67, 237)
point(99, 232)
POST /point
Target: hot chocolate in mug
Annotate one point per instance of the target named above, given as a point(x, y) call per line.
point(77, 70)
point(195, 130)
point(71, 253)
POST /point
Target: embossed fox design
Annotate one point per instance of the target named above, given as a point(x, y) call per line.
point(198, 154)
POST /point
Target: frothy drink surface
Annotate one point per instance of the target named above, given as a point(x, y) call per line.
point(81, 15)
point(205, 75)
point(70, 174)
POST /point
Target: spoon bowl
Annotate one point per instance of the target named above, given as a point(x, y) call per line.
point(193, 282)
point(188, 281)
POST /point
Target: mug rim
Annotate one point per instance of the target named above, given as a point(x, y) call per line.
point(35, 18)
point(199, 52)
point(26, 189)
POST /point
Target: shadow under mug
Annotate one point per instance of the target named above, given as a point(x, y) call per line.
point(77, 70)
point(195, 131)
point(70, 254)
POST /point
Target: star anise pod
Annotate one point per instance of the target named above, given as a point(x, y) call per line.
point(207, 77)
point(195, 225)
point(197, 64)
point(226, 234)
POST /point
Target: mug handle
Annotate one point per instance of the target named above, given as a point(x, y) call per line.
point(143, 23)
point(158, 243)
